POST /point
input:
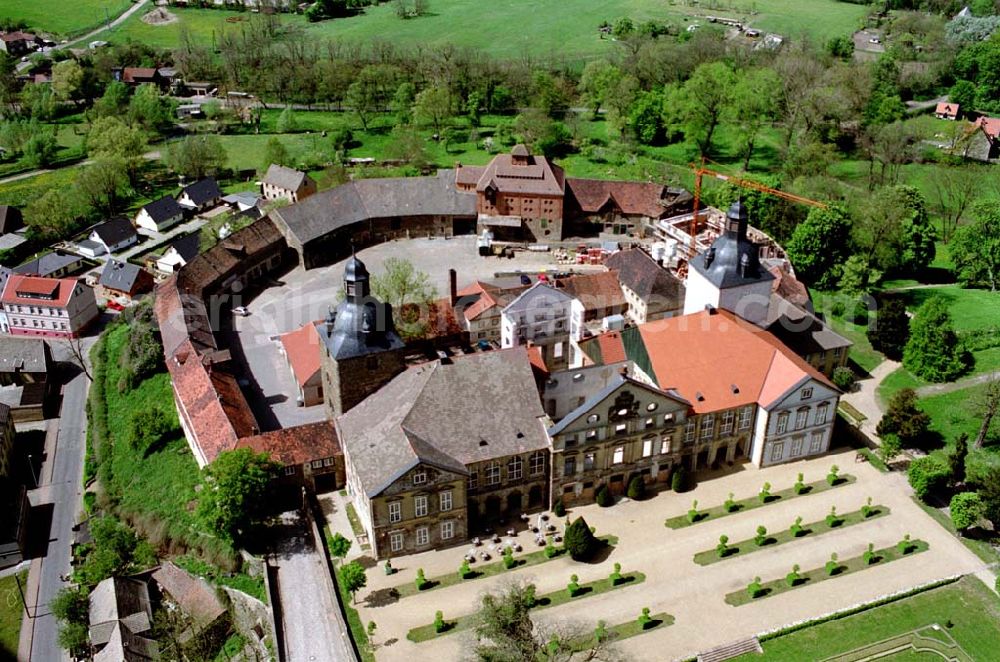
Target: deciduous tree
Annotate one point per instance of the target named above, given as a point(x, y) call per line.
point(904, 418)
point(352, 577)
point(975, 247)
point(889, 329)
point(235, 491)
point(433, 106)
point(820, 245)
point(196, 156)
point(105, 183)
point(707, 95)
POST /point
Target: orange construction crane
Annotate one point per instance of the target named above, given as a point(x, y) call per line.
point(701, 170)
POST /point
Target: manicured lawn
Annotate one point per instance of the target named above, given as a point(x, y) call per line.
point(10, 615)
point(971, 608)
point(816, 575)
point(487, 570)
point(511, 29)
point(58, 17)
point(587, 590)
point(969, 308)
point(775, 538)
point(628, 629)
point(743, 505)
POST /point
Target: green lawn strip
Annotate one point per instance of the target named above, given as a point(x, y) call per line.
point(352, 517)
point(487, 570)
point(743, 505)
point(981, 548)
point(625, 630)
point(811, 530)
point(358, 632)
point(874, 459)
point(553, 599)
point(816, 575)
point(967, 605)
point(11, 614)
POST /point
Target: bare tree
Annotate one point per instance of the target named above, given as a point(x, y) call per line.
point(75, 347)
point(953, 190)
point(989, 404)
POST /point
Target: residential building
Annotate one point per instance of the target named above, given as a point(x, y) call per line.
point(596, 297)
point(612, 207)
point(5, 275)
point(626, 429)
point(478, 308)
point(281, 183)
point(51, 265)
point(25, 364)
point(651, 291)
point(301, 349)
point(17, 43)
point(751, 396)
point(160, 215)
point(115, 235)
point(946, 111)
point(729, 274)
point(539, 316)
point(123, 281)
point(202, 195)
point(519, 196)
point(361, 350)
point(197, 602)
point(445, 447)
point(309, 455)
point(243, 200)
point(178, 253)
point(982, 141)
point(121, 621)
point(136, 76)
point(6, 441)
point(11, 219)
point(48, 307)
point(808, 336)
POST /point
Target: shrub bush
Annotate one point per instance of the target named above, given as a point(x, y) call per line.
point(765, 493)
point(439, 624)
point(421, 580)
point(600, 632)
point(800, 487)
point(928, 475)
point(644, 618)
point(550, 549)
point(559, 509)
point(464, 571)
point(832, 478)
point(679, 480)
point(761, 536)
point(579, 540)
point(843, 378)
point(832, 565)
point(508, 558)
point(793, 578)
point(692, 515)
point(573, 586)
point(754, 589)
point(603, 497)
point(722, 549)
point(637, 488)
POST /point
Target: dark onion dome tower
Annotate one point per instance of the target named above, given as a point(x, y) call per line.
point(729, 274)
point(361, 349)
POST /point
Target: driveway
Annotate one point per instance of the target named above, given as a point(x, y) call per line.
point(310, 617)
point(694, 594)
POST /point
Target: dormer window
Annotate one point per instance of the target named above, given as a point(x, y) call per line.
point(419, 478)
point(807, 393)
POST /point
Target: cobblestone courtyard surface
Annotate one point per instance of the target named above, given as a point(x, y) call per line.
point(693, 594)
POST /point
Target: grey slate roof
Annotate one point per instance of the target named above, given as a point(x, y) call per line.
point(119, 600)
point(115, 231)
point(119, 275)
point(23, 354)
point(163, 209)
point(479, 407)
point(203, 191)
point(187, 246)
point(279, 176)
point(360, 200)
point(652, 283)
point(537, 296)
point(733, 259)
point(47, 264)
point(803, 332)
point(11, 240)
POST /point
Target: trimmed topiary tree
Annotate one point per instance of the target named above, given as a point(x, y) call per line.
point(796, 528)
point(559, 509)
point(679, 480)
point(905, 546)
point(730, 505)
point(439, 624)
point(800, 487)
point(603, 497)
point(765, 493)
point(421, 580)
point(644, 618)
point(793, 578)
point(579, 540)
point(761, 536)
point(832, 520)
point(692, 515)
point(832, 566)
point(616, 575)
point(867, 510)
point(832, 478)
point(464, 571)
point(550, 549)
point(869, 556)
point(722, 549)
point(636, 488)
point(573, 587)
point(508, 558)
point(754, 589)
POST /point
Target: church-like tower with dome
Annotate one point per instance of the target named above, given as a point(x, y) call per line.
point(361, 350)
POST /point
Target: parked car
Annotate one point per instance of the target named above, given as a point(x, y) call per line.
point(114, 305)
point(241, 311)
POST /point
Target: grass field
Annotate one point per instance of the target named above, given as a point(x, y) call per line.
point(512, 28)
point(10, 615)
point(57, 17)
point(971, 608)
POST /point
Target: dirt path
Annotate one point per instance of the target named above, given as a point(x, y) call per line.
point(865, 398)
point(966, 382)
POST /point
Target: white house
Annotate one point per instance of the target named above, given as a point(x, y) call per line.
point(115, 234)
point(540, 316)
point(203, 194)
point(160, 215)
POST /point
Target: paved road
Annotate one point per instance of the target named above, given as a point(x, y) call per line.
point(865, 397)
point(63, 489)
point(313, 626)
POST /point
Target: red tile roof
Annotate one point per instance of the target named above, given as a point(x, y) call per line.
point(302, 349)
point(596, 291)
point(611, 346)
point(945, 108)
point(298, 445)
point(633, 198)
point(786, 286)
point(57, 291)
point(991, 125)
point(718, 361)
point(213, 406)
point(130, 74)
